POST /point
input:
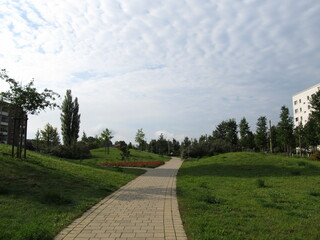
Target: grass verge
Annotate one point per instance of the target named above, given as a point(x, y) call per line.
point(41, 195)
point(250, 196)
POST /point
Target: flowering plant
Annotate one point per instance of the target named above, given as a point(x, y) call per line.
point(149, 164)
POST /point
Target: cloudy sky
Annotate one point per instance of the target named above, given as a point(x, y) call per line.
point(178, 67)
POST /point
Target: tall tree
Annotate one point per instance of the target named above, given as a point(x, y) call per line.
point(106, 137)
point(70, 119)
point(261, 137)
point(285, 130)
point(246, 136)
point(162, 145)
point(24, 100)
point(227, 130)
point(140, 139)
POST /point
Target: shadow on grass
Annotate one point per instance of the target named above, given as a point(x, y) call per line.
point(248, 171)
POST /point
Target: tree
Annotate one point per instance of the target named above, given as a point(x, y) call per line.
point(37, 140)
point(227, 130)
point(261, 137)
point(246, 136)
point(24, 100)
point(285, 130)
point(50, 137)
point(124, 150)
point(162, 145)
point(70, 119)
point(106, 137)
point(311, 137)
point(84, 138)
point(140, 139)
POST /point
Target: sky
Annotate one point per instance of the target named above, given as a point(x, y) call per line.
point(172, 67)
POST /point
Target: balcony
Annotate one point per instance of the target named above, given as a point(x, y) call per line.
point(4, 113)
point(4, 123)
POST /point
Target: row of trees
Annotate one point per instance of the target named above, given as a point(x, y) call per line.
point(230, 136)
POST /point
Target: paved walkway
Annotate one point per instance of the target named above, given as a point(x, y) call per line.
point(145, 208)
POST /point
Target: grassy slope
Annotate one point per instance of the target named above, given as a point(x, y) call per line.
point(41, 195)
point(99, 156)
point(250, 196)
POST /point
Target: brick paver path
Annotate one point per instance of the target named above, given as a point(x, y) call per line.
point(145, 208)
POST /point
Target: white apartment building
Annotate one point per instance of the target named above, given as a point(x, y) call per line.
point(301, 105)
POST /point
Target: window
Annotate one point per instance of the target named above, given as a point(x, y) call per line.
point(301, 118)
point(309, 107)
point(297, 119)
point(300, 109)
point(308, 97)
point(295, 102)
point(296, 111)
point(299, 100)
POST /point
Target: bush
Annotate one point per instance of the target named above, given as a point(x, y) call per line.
point(220, 146)
point(75, 151)
point(315, 156)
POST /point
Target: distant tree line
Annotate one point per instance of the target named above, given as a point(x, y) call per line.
point(229, 136)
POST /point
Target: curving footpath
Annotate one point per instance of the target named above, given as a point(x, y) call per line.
point(145, 208)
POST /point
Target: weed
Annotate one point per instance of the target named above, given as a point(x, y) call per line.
point(314, 193)
point(55, 198)
point(302, 163)
point(204, 185)
point(296, 172)
point(211, 199)
point(261, 183)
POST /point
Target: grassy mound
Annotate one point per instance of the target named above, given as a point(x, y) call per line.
point(100, 156)
point(250, 196)
point(41, 195)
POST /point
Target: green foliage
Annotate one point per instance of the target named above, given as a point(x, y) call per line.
point(261, 137)
point(227, 131)
point(246, 141)
point(106, 137)
point(224, 197)
point(125, 152)
point(140, 139)
point(49, 137)
point(26, 98)
point(285, 130)
point(70, 119)
point(74, 151)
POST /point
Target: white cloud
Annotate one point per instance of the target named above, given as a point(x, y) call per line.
point(182, 66)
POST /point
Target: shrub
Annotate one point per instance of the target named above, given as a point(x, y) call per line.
point(315, 156)
point(75, 151)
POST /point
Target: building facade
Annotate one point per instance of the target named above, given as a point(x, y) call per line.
point(301, 105)
point(7, 123)
point(4, 123)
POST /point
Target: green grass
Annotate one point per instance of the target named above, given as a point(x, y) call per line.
point(100, 156)
point(41, 195)
point(250, 196)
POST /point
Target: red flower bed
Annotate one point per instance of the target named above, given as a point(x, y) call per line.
point(150, 164)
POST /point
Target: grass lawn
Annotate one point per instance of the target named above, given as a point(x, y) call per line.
point(250, 196)
point(100, 156)
point(41, 195)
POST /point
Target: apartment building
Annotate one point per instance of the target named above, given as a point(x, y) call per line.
point(4, 123)
point(7, 125)
point(301, 105)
